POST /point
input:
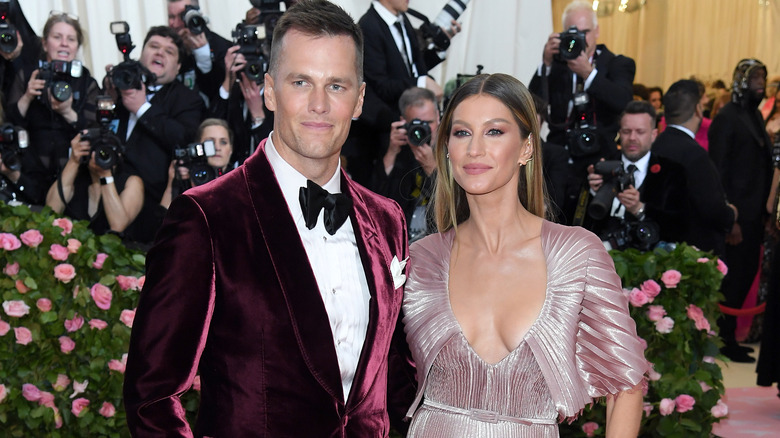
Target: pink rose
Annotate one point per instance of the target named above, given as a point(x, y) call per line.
point(666, 406)
point(16, 308)
point(99, 260)
point(3, 392)
point(684, 403)
point(71, 325)
point(97, 324)
point(703, 324)
point(708, 359)
point(664, 325)
point(23, 335)
point(694, 312)
point(107, 410)
point(47, 399)
point(66, 344)
point(196, 383)
point(78, 406)
point(57, 418)
point(141, 281)
point(648, 408)
point(58, 252)
point(637, 298)
point(589, 428)
point(670, 278)
point(73, 246)
point(720, 409)
point(4, 328)
point(11, 269)
point(722, 267)
point(653, 375)
point(118, 365)
point(655, 313)
point(32, 238)
point(651, 289)
point(43, 304)
point(65, 224)
point(31, 392)
point(702, 260)
point(101, 295)
point(79, 387)
point(127, 283)
point(704, 387)
point(9, 242)
point(127, 317)
point(21, 287)
point(64, 272)
point(62, 383)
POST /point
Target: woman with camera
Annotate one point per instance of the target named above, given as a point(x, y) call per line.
point(53, 102)
point(214, 131)
point(110, 199)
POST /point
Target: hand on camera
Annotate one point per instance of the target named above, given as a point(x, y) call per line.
point(192, 41)
point(35, 85)
point(252, 16)
point(65, 109)
point(453, 30)
point(251, 91)
point(79, 148)
point(13, 175)
point(581, 65)
point(234, 63)
point(629, 197)
point(397, 137)
point(424, 155)
point(133, 98)
point(16, 52)
point(595, 181)
point(551, 48)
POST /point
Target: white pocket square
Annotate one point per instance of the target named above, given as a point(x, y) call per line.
point(397, 270)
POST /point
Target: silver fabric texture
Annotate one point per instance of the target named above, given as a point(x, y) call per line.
point(582, 346)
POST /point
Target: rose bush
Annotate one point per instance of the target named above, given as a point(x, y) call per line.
point(673, 297)
point(64, 326)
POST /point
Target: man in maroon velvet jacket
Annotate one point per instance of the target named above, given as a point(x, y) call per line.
point(289, 319)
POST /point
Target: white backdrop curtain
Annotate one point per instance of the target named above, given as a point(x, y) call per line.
point(504, 36)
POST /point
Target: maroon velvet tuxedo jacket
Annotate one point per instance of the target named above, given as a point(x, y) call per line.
point(230, 295)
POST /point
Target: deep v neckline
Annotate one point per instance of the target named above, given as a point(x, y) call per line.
point(542, 312)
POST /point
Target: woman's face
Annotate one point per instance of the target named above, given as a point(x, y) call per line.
point(219, 136)
point(486, 147)
point(62, 44)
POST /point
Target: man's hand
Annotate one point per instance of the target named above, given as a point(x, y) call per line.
point(551, 48)
point(595, 181)
point(397, 140)
point(16, 52)
point(735, 235)
point(435, 88)
point(630, 199)
point(234, 63)
point(581, 65)
point(251, 91)
point(252, 16)
point(424, 155)
point(192, 41)
point(133, 98)
point(453, 30)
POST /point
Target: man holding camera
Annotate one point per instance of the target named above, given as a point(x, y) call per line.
point(155, 117)
point(405, 173)
point(205, 49)
point(641, 188)
point(586, 85)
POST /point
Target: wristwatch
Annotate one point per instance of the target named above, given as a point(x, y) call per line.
point(106, 180)
point(640, 214)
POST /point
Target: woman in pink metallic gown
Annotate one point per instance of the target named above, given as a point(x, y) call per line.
point(515, 323)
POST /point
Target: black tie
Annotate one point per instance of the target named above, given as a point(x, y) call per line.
point(405, 54)
point(631, 169)
point(314, 198)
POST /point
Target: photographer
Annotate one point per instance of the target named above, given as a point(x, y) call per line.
point(110, 199)
point(13, 143)
point(586, 86)
point(18, 55)
point(645, 188)
point(405, 173)
point(205, 49)
point(53, 103)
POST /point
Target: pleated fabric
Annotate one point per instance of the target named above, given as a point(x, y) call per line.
point(582, 346)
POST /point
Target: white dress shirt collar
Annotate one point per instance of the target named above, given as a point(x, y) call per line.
point(684, 129)
point(641, 168)
point(385, 14)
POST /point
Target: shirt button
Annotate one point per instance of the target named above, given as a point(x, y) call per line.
point(334, 291)
point(324, 238)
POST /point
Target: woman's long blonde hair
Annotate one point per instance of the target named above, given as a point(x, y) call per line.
point(450, 206)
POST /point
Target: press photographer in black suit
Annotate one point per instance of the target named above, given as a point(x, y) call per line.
point(653, 188)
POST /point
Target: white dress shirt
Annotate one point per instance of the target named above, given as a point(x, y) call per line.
point(335, 262)
point(618, 210)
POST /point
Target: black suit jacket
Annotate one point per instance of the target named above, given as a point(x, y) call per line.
point(610, 92)
point(208, 83)
point(741, 151)
point(245, 138)
point(710, 217)
point(663, 192)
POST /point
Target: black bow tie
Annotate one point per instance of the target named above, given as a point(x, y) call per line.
point(336, 205)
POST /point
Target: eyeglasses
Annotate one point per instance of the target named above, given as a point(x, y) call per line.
point(53, 13)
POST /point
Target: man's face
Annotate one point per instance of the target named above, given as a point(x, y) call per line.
point(314, 93)
point(395, 6)
point(427, 112)
point(757, 82)
point(655, 100)
point(584, 22)
point(637, 133)
point(174, 14)
point(161, 56)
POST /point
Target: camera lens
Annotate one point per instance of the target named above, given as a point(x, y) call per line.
point(105, 157)
point(418, 136)
point(61, 91)
point(201, 173)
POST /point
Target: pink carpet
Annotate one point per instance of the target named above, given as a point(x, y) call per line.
point(753, 412)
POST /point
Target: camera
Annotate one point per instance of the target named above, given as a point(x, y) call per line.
point(58, 75)
point(104, 143)
point(418, 132)
point(194, 157)
point(129, 74)
point(581, 137)
point(251, 46)
point(572, 44)
point(641, 235)
point(616, 179)
point(432, 32)
point(13, 143)
point(451, 11)
point(8, 39)
point(194, 19)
